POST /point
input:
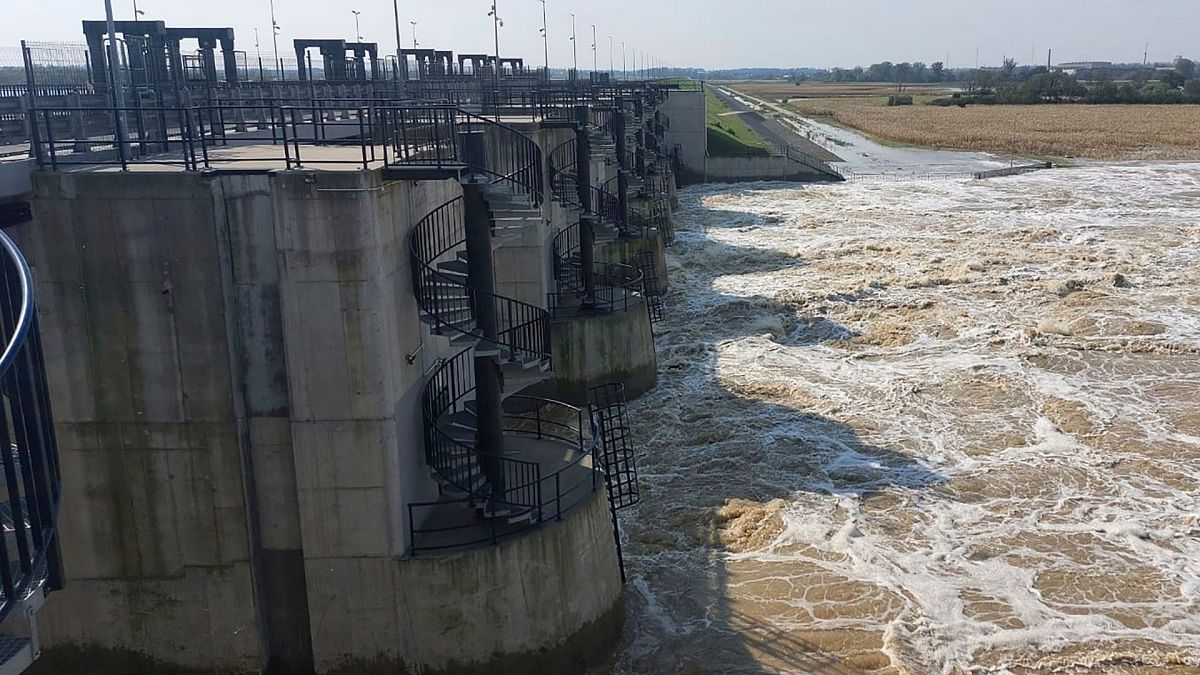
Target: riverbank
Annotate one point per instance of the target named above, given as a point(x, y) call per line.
point(1101, 132)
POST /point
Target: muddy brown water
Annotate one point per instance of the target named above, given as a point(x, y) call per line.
point(925, 427)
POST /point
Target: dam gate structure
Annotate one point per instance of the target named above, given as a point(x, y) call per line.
point(338, 357)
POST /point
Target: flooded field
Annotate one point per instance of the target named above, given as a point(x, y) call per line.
point(925, 427)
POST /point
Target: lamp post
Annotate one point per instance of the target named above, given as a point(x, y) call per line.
point(610, 56)
point(574, 48)
point(357, 30)
point(594, 68)
point(414, 27)
point(624, 63)
point(137, 12)
point(275, 41)
point(546, 38)
point(399, 45)
point(497, 22)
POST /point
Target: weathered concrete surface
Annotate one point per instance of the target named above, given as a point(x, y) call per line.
point(135, 319)
point(15, 177)
point(548, 603)
point(745, 169)
point(240, 432)
point(626, 251)
point(688, 130)
point(600, 348)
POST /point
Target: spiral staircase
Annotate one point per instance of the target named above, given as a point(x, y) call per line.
point(504, 462)
point(30, 490)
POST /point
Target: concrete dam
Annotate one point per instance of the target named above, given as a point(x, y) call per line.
point(325, 368)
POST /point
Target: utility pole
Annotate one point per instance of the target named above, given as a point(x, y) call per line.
point(1146, 55)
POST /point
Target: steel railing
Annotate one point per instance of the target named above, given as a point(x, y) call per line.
point(31, 491)
point(616, 286)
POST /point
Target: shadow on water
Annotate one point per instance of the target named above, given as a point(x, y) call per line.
point(706, 441)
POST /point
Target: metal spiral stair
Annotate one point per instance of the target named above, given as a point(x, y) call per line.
point(30, 479)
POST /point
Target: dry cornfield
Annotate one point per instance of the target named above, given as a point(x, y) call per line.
point(1112, 132)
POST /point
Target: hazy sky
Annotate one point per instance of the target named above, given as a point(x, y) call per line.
point(703, 33)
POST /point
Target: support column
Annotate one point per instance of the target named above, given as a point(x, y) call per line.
point(230, 58)
point(622, 164)
point(99, 61)
point(489, 414)
point(209, 58)
point(587, 233)
point(175, 57)
point(360, 65)
point(135, 50)
point(301, 63)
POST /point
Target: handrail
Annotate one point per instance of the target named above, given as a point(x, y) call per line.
point(430, 135)
point(29, 463)
point(617, 286)
point(503, 485)
point(523, 328)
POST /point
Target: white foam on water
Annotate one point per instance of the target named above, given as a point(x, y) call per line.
point(978, 426)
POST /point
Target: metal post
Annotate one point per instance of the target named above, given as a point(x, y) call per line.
point(114, 79)
point(489, 439)
point(587, 235)
point(622, 163)
point(546, 39)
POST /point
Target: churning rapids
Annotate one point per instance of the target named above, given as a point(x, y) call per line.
point(925, 427)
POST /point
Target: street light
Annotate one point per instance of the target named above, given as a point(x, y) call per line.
point(574, 47)
point(399, 46)
point(624, 63)
point(610, 56)
point(137, 12)
point(275, 40)
point(414, 25)
point(546, 38)
point(357, 30)
point(497, 22)
point(594, 68)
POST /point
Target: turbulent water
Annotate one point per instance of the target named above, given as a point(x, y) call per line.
point(925, 427)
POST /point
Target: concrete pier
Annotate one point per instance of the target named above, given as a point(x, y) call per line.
point(237, 379)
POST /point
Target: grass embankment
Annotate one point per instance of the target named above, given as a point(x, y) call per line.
point(728, 134)
point(1108, 132)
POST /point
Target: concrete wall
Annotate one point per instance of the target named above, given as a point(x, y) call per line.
point(626, 251)
point(546, 604)
point(14, 177)
point(135, 315)
point(240, 435)
point(688, 130)
point(746, 169)
point(598, 349)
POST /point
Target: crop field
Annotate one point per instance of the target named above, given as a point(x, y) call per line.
point(778, 90)
point(1107, 132)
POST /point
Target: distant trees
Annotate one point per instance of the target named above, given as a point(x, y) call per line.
point(937, 71)
point(1186, 68)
